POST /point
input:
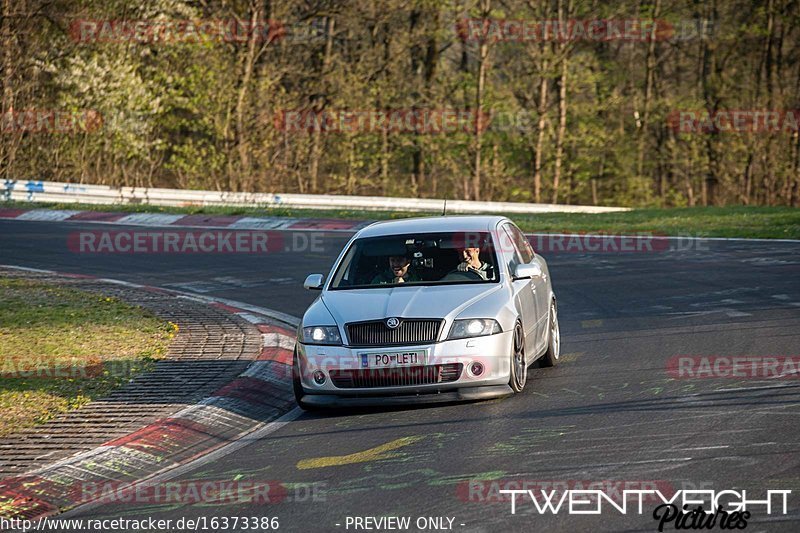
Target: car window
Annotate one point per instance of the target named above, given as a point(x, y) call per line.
point(508, 246)
point(521, 245)
point(421, 259)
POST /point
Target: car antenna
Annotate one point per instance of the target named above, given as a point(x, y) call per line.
point(444, 208)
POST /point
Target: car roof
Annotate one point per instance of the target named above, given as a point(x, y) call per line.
point(431, 225)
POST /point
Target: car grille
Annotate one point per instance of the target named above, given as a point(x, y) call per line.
point(396, 377)
point(410, 331)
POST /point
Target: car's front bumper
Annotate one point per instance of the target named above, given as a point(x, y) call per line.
point(492, 351)
point(457, 395)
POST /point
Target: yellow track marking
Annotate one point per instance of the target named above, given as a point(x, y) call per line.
point(591, 323)
point(567, 357)
point(373, 454)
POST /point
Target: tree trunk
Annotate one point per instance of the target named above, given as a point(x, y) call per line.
point(710, 84)
point(316, 136)
point(10, 143)
point(385, 160)
point(650, 68)
point(793, 194)
point(483, 52)
point(562, 99)
point(542, 124)
point(423, 60)
point(243, 144)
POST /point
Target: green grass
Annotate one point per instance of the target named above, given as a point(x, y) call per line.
point(735, 221)
point(61, 348)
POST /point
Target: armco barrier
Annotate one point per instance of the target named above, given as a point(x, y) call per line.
point(51, 191)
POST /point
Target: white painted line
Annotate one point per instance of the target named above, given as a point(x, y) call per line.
point(191, 298)
point(149, 219)
point(739, 389)
point(276, 315)
point(262, 223)
point(120, 282)
point(253, 319)
point(197, 286)
point(702, 448)
point(28, 269)
point(47, 215)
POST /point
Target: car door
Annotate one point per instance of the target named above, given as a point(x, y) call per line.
point(523, 289)
point(538, 287)
point(542, 297)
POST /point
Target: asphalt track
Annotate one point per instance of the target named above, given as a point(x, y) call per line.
point(608, 412)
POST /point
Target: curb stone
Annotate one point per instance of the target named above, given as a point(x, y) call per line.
point(259, 395)
point(185, 221)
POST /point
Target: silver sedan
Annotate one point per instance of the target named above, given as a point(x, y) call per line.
point(427, 309)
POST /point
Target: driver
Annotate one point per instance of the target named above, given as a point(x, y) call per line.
point(399, 271)
point(472, 263)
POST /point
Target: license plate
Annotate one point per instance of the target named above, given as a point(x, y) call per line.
point(393, 359)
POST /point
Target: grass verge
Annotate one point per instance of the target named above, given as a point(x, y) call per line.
point(734, 221)
point(61, 348)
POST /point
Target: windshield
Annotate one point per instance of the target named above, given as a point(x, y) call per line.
point(420, 259)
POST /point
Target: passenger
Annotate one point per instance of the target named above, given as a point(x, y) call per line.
point(472, 263)
point(399, 271)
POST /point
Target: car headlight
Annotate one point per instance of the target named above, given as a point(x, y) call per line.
point(474, 327)
point(321, 335)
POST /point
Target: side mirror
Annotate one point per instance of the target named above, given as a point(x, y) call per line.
point(313, 282)
point(528, 270)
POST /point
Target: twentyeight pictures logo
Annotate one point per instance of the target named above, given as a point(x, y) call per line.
point(684, 509)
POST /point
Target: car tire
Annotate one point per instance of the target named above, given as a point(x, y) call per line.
point(297, 387)
point(553, 352)
point(519, 364)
